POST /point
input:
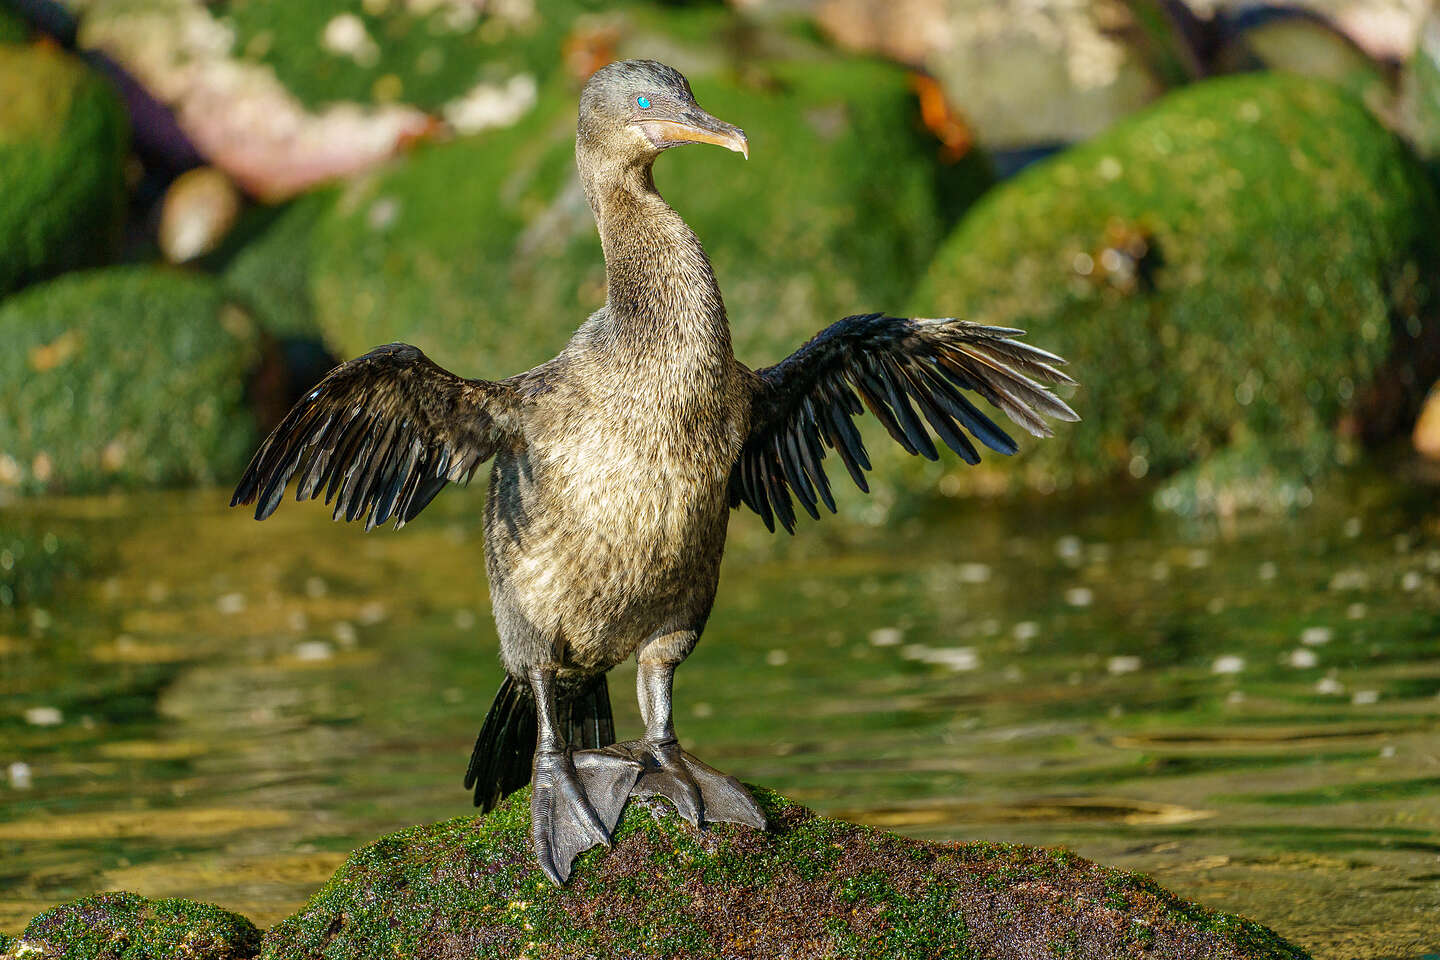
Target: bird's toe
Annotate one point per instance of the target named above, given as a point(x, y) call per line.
point(723, 797)
point(563, 824)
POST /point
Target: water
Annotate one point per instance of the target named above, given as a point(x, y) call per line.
point(221, 709)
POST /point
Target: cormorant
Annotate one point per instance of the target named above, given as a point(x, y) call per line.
point(616, 464)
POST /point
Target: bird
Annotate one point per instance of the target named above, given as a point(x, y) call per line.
point(616, 465)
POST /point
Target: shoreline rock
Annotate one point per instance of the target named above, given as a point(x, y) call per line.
point(809, 887)
point(129, 376)
point(63, 140)
point(111, 926)
point(1234, 277)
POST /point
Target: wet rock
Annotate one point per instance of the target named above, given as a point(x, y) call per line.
point(1239, 270)
point(810, 887)
point(62, 143)
point(125, 926)
point(124, 377)
point(1427, 428)
point(198, 212)
point(483, 251)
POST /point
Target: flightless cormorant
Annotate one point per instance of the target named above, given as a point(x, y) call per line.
point(616, 464)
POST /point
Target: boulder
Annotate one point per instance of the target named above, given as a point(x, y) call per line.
point(1241, 269)
point(62, 144)
point(483, 251)
point(129, 376)
point(431, 55)
point(125, 926)
point(809, 887)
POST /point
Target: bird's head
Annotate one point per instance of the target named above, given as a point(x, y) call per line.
point(631, 110)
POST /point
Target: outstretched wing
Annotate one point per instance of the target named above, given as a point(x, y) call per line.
point(381, 435)
point(806, 403)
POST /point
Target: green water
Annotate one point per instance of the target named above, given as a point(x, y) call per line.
point(1250, 712)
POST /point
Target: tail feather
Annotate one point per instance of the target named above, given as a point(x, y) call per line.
point(590, 724)
point(504, 751)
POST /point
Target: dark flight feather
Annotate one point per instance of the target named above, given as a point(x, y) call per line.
point(893, 367)
point(380, 436)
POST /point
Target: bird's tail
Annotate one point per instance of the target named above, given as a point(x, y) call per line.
point(501, 761)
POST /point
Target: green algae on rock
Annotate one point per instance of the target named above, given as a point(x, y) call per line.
point(123, 377)
point(810, 887)
point(483, 252)
point(1229, 271)
point(126, 926)
point(425, 54)
point(63, 137)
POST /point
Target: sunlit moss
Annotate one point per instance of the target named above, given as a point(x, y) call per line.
point(1227, 272)
point(124, 926)
point(123, 377)
point(424, 54)
point(469, 887)
point(63, 137)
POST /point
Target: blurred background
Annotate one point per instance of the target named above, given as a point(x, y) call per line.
point(1196, 635)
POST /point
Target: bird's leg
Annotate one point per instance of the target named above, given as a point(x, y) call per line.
point(700, 792)
point(563, 824)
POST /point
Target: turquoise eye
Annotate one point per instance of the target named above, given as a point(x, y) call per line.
point(644, 102)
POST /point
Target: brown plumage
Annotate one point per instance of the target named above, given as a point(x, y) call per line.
point(615, 464)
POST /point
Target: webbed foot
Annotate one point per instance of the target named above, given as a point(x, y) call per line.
point(574, 805)
point(701, 794)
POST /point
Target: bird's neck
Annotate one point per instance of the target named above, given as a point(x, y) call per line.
point(661, 292)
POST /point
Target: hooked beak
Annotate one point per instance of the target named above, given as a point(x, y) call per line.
point(695, 126)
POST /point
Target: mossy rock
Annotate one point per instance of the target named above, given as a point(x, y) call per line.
point(63, 138)
point(1227, 272)
point(125, 926)
point(425, 54)
point(483, 252)
point(809, 887)
point(128, 376)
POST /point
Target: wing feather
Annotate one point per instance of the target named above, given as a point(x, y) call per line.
point(912, 376)
point(380, 436)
